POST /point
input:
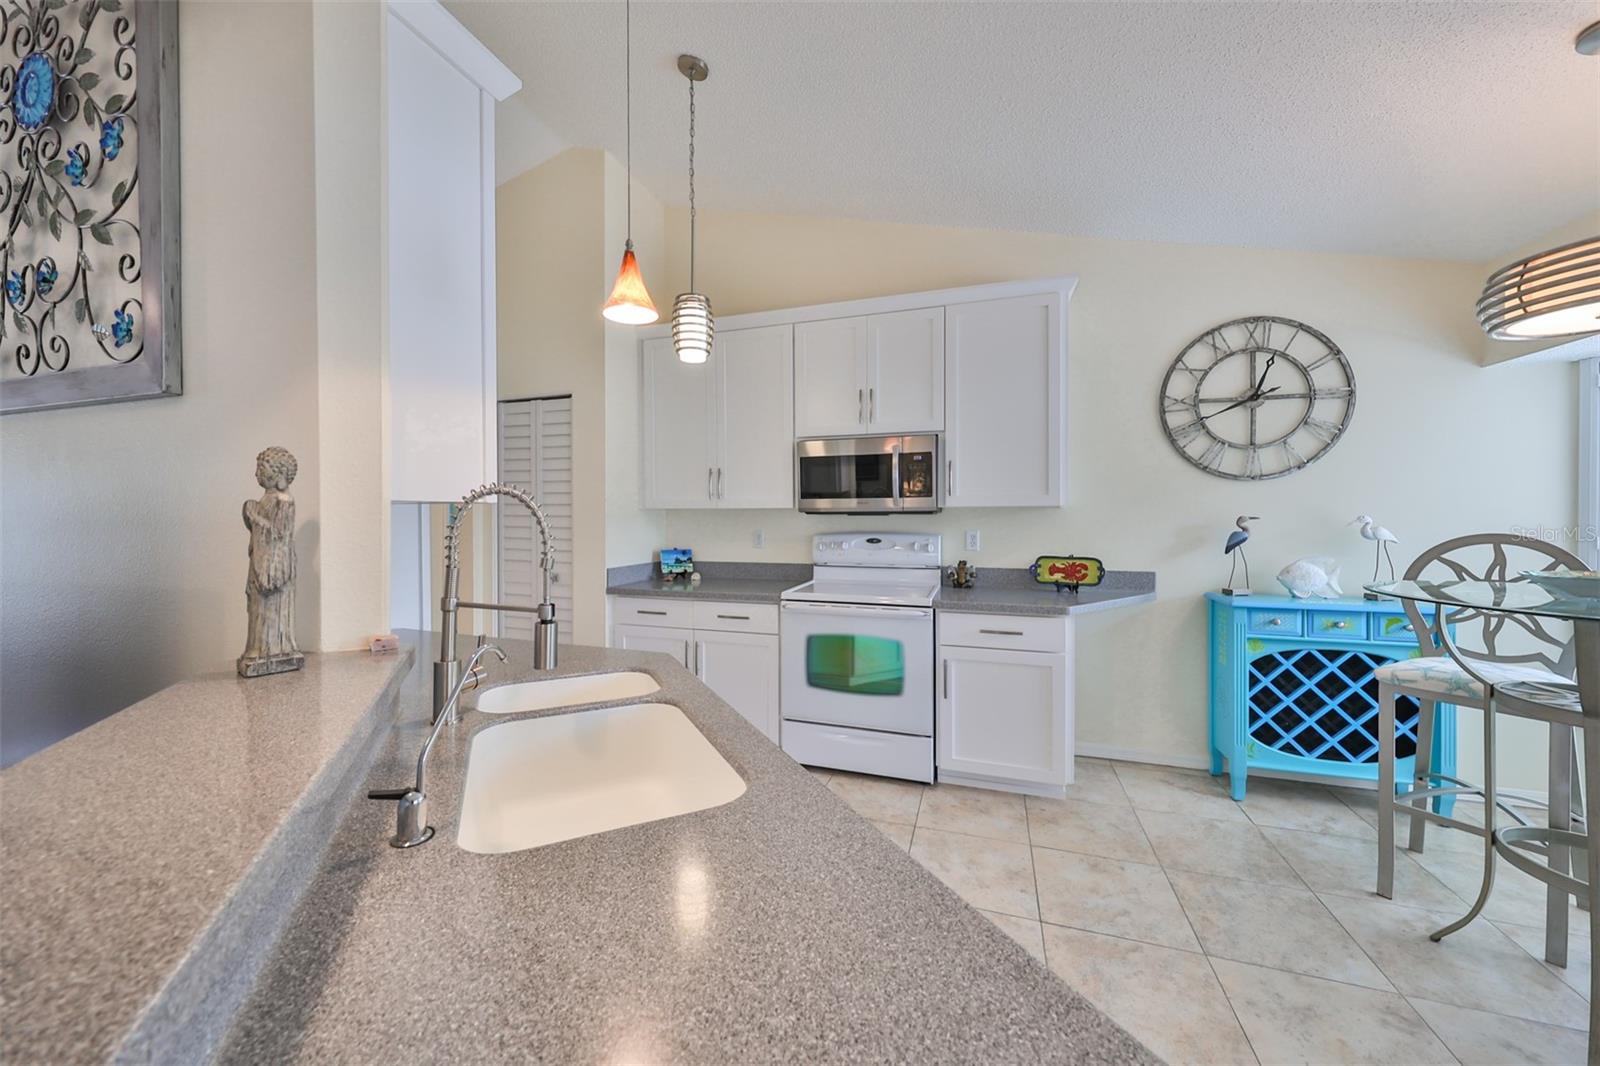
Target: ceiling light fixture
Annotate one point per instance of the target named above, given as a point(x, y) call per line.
point(692, 324)
point(630, 302)
point(1555, 293)
point(1588, 42)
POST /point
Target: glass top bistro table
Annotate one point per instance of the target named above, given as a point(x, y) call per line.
point(1565, 603)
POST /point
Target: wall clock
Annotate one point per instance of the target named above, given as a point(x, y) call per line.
point(1257, 398)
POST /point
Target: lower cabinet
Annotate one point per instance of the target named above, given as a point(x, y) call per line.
point(742, 668)
point(1005, 715)
point(739, 663)
point(673, 642)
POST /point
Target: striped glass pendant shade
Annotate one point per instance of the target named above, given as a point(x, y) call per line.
point(692, 327)
point(1551, 294)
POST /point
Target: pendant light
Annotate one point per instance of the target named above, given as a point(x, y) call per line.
point(1553, 294)
point(630, 302)
point(692, 325)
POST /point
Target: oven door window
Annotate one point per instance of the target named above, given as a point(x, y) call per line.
point(847, 477)
point(860, 666)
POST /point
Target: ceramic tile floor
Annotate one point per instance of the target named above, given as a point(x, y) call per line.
point(1223, 932)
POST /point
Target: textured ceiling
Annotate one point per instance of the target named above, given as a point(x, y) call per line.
point(1451, 130)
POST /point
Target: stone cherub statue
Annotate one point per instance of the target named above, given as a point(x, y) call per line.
point(269, 587)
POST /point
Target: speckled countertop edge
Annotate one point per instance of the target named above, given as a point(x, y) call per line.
point(144, 857)
point(778, 927)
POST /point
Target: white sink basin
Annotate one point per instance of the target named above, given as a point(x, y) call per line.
point(542, 780)
point(566, 692)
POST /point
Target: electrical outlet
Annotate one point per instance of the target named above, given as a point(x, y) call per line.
point(973, 541)
point(760, 538)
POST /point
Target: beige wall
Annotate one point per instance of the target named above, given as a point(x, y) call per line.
point(122, 552)
point(551, 277)
point(1438, 445)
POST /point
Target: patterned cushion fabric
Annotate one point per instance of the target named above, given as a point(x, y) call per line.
point(1439, 675)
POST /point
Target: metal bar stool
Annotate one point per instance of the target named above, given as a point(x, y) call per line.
point(1443, 673)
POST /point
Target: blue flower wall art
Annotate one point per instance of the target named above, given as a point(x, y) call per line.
point(88, 145)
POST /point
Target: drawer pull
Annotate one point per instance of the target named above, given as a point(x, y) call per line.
point(1409, 628)
point(1002, 632)
point(735, 617)
point(1273, 622)
point(1339, 623)
point(641, 610)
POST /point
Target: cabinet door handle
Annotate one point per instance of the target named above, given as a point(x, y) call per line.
point(872, 404)
point(949, 476)
point(947, 679)
point(735, 617)
point(861, 405)
point(699, 652)
point(719, 483)
point(710, 470)
point(641, 610)
point(1002, 632)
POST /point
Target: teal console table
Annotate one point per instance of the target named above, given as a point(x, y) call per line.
point(1292, 688)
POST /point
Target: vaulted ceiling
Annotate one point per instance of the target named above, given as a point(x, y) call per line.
point(1448, 130)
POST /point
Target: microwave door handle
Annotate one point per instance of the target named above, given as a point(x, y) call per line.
point(894, 474)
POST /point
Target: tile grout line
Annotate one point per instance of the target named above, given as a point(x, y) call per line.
point(1429, 1026)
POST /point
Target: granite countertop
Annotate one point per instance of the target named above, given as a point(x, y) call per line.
point(729, 589)
point(149, 859)
point(1015, 592)
point(779, 926)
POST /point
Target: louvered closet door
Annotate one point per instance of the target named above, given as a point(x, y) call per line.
point(536, 455)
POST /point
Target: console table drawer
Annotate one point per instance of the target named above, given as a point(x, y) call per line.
point(1349, 624)
point(1396, 627)
point(1274, 623)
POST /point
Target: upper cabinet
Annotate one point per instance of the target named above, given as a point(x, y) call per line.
point(721, 433)
point(443, 85)
point(985, 367)
point(880, 373)
point(1006, 402)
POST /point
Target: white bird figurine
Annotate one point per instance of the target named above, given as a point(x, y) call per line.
point(1381, 539)
point(1235, 548)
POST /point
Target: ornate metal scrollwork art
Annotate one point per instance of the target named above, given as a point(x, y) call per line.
point(88, 192)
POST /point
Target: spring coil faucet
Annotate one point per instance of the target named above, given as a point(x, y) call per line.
point(447, 670)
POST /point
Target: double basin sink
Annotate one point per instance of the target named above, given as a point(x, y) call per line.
point(539, 781)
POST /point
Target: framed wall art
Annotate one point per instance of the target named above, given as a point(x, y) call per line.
point(89, 195)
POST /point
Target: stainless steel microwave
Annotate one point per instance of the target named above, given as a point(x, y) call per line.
point(841, 475)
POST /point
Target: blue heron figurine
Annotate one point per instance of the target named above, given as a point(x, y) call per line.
point(1235, 548)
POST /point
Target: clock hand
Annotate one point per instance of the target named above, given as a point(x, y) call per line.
point(1240, 403)
point(1273, 358)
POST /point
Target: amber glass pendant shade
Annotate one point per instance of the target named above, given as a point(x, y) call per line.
point(630, 302)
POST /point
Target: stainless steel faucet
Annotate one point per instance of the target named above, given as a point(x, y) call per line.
point(447, 671)
point(411, 819)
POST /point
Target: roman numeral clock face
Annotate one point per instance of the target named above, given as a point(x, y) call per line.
point(1257, 398)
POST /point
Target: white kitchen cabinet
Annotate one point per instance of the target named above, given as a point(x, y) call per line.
point(731, 647)
point(830, 378)
point(1005, 403)
point(755, 430)
point(673, 642)
point(720, 433)
point(1004, 716)
point(742, 668)
point(679, 428)
point(870, 374)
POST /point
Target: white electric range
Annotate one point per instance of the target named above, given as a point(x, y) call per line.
point(858, 655)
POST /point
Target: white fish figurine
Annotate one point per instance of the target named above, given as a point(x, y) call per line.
point(1315, 575)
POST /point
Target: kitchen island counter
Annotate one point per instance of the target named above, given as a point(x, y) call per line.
point(779, 926)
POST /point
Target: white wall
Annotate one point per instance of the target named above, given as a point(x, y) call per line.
point(122, 551)
point(1438, 445)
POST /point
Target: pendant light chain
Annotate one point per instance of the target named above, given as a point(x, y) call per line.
point(627, 82)
point(691, 184)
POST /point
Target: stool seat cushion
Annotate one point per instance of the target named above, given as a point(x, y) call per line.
point(1439, 675)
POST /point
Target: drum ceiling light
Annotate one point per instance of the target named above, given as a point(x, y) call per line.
point(1555, 293)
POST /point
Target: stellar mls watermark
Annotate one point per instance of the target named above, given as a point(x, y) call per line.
point(1573, 534)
